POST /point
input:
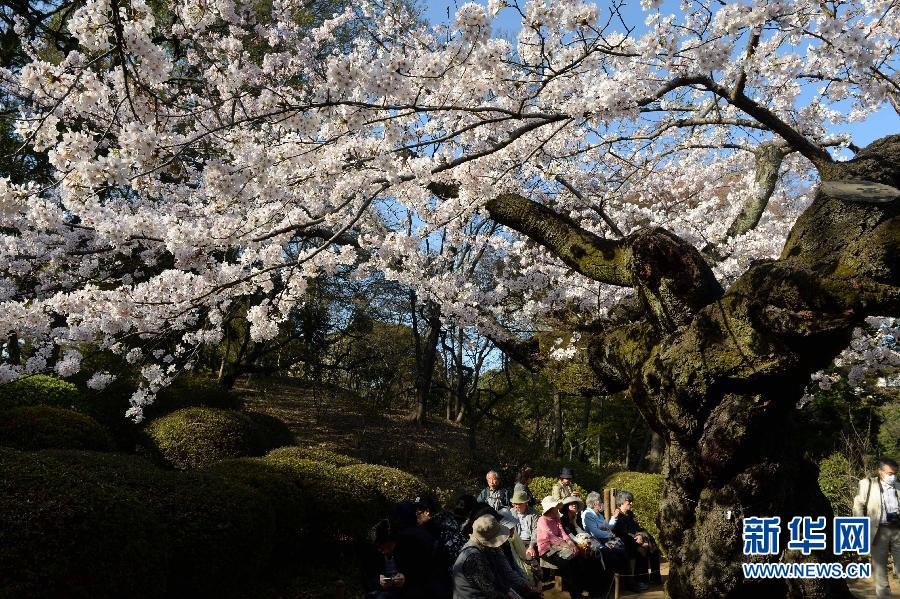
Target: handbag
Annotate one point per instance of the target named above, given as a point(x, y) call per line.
point(563, 551)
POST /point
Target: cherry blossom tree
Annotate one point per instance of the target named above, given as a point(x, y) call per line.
point(671, 186)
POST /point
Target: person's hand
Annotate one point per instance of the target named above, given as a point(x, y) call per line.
point(616, 513)
point(399, 580)
point(385, 582)
point(529, 553)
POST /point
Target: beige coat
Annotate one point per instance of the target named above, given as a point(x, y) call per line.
point(872, 509)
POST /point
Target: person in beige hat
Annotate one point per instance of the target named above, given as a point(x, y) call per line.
point(482, 571)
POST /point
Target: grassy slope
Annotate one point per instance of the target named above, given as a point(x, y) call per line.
point(341, 422)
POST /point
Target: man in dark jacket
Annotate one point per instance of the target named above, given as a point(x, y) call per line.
point(639, 544)
point(383, 576)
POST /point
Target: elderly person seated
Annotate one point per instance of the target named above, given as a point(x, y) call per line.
point(493, 494)
point(557, 548)
point(639, 544)
point(482, 571)
point(594, 575)
point(562, 488)
point(528, 521)
point(611, 547)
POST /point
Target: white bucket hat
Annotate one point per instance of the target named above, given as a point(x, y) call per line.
point(488, 532)
point(548, 503)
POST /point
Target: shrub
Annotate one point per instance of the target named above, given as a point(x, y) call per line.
point(70, 528)
point(279, 488)
point(391, 484)
point(46, 427)
point(647, 490)
point(39, 390)
point(315, 454)
point(192, 390)
point(86, 524)
point(195, 437)
point(274, 432)
point(220, 534)
point(838, 483)
point(333, 502)
point(542, 485)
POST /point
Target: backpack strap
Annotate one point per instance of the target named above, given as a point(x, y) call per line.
point(868, 492)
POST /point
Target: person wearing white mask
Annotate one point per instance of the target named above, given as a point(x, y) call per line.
point(878, 499)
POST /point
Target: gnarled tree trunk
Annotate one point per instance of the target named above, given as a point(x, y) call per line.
point(718, 373)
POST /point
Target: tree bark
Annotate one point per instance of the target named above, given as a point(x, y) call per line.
point(426, 362)
point(556, 442)
point(585, 423)
point(13, 354)
point(717, 375)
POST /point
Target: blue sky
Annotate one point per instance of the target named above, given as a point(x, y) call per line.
point(506, 24)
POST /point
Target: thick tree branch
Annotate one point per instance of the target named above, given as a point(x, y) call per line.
point(600, 259)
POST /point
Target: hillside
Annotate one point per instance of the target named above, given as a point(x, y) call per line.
point(337, 420)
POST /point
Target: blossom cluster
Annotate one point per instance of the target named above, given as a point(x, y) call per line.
point(226, 155)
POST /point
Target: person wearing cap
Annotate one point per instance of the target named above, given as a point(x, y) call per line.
point(527, 522)
point(383, 576)
point(493, 494)
point(594, 572)
point(419, 552)
point(526, 475)
point(482, 571)
point(562, 488)
point(443, 527)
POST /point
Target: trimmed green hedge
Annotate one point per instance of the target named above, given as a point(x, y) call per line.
point(272, 430)
point(334, 504)
point(280, 488)
point(315, 454)
point(647, 490)
point(86, 524)
point(221, 534)
point(70, 527)
point(190, 391)
point(196, 437)
point(39, 390)
point(391, 484)
point(542, 485)
point(48, 427)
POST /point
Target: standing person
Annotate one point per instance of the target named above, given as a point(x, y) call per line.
point(639, 544)
point(526, 475)
point(482, 571)
point(877, 498)
point(562, 488)
point(494, 495)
